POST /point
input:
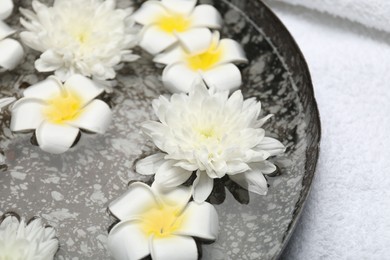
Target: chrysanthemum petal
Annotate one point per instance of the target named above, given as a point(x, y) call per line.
point(271, 145)
point(6, 7)
point(45, 89)
point(84, 87)
point(180, 6)
point(150, 164)
point(232, 52)
point(265, 167)
point(26, 114)
point(154, 40)
point(223, 77)
point(253, 181)
point(6, 101)
point(11, 53)
point(206, 16)
point(149, 12)
point(170, 56)
point(177, 197)
point(179, 78)
point(132, 203)
point(169, 176)
point(5, 30)
point(54, 138)
point(127, 242)
point(203, 185)
point(207, 228)
point(48, 61)
point(173, 248)
point(195, 40)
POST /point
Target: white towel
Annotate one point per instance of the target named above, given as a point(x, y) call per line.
point(371, 13)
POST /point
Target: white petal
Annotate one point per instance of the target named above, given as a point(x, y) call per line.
point(150, 164)
point(26, 114)
point(206, 16)
point(203, 186)
point(232, 52)
point(133, 202)
point(271, 145)
point(170, 56)
point(149, 12)
point(5, 30)
point(177, 197)
point(265, 167)
point(45, 89)
point(180, 6)
point(154, 40)
point(169, 176)
point(11, 53)
point(56, 139)
point(6, 7)
point(49, 61)
point(223, 77)
point(263, 120)
point(84, 87)
point(6, 101)
point(174, 248)
point(253, 181)
point(179, 78)
point(201, 220)
point(196, 40)
point(127, 242)
point(95, 117)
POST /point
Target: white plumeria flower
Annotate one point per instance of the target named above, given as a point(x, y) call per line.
point(19, 241)
point(57, 111)
point(212, 134)
point(88, 37)
point(160, 225)
point(11, 52)
point(214, 65)
point(166, 21)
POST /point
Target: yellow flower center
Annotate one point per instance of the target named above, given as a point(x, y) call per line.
point(173, 23)
point(207, 59)
point(207, 132)
point(62, 108)
point(162, 222)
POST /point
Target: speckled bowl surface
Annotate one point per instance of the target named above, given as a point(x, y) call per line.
point(71, 191)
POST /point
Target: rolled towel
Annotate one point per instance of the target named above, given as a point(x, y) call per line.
point(371, 13)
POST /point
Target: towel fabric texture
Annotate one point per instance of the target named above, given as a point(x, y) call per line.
point(347, 215)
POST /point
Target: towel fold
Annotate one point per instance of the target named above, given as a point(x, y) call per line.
point(371, 13)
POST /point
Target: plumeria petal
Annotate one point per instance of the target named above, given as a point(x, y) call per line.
point(223, 77)
point(232, 52)
point(173, 248)
point(11, 53)
point(154, 40)
point(132, 203)
point(6, 7)
point(271, 145)
point(45, 89)
point(6, 101)
point(150, 164)
point(177, 197)
point(54, 138)
point(26, 114)
point(168, 176)
point(203, 185)
point(149, 12)
point(206, 16)
point(5, 30)
point(207, 228)
point(180, 6)
point(127, 242)
point(179, 78)
point(84, 87)
point(95, 117)
point(196, 40)
point(170, 56)
point(253, 181)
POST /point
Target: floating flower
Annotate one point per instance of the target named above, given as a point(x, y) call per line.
point(213, 135)
point(160, 225)
point(19, 241)
point(88, 37)
point(11, 52)
point(57, 111)
point(214, 65)
point(166, 21)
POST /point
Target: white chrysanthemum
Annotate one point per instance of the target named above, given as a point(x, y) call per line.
point(167, 21)
point(160, 225)
point(212, 134)
point(11, 52)
point(19, 241)
point(88, 37)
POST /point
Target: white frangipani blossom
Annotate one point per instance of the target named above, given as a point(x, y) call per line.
point(11, 52)
point(33, 241)
point(160, 225)
point(58, 111)
point(213, 64)
point(88, 37)
point(212, 134)
point(167, 21)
